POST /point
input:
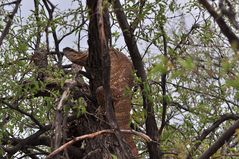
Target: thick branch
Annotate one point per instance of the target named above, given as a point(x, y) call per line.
point(27, 141)
point(207, 131)
point(104, 51)
point(41, 140)
point(220, 142)
point(59, 116)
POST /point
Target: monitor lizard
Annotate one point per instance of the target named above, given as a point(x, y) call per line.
point(121, 80)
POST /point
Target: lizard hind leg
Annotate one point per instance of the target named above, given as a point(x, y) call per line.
point(101, 97)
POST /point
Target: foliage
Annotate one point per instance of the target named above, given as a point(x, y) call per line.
point(202, 77)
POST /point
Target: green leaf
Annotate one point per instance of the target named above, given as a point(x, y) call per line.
point(188, 63)
point(233, 83)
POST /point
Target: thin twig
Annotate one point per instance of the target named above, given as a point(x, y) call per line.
point(164, 83)
point(16, 108)
point(10, 3)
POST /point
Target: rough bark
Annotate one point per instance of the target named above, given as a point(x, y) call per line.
point(100, 72)
point(108, 102)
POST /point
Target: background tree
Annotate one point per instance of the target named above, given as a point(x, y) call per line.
point(186, 92)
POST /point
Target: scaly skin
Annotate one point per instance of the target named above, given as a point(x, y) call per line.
point(121, 80)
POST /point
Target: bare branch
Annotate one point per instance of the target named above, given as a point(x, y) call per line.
point(61, 116)
point(95, 134)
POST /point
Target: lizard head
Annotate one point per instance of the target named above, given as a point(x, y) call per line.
point(75, 56)
point(71, 54)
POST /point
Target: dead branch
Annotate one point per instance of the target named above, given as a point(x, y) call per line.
point(95, 134)
point(59, 116)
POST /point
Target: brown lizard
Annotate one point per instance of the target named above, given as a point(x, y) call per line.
point(121, 79)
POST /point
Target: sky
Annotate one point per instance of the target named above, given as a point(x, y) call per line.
point(28, 6)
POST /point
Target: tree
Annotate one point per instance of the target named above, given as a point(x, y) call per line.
point(185, 96)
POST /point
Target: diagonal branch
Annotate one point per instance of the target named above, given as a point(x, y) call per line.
point(225, 29)
point(9, 23)
point(22, 112)
point(207, 131)
point(220, 142)
point(26, 141)
point(9, 3)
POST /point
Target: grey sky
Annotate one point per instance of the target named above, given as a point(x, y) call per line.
point(28, 6)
